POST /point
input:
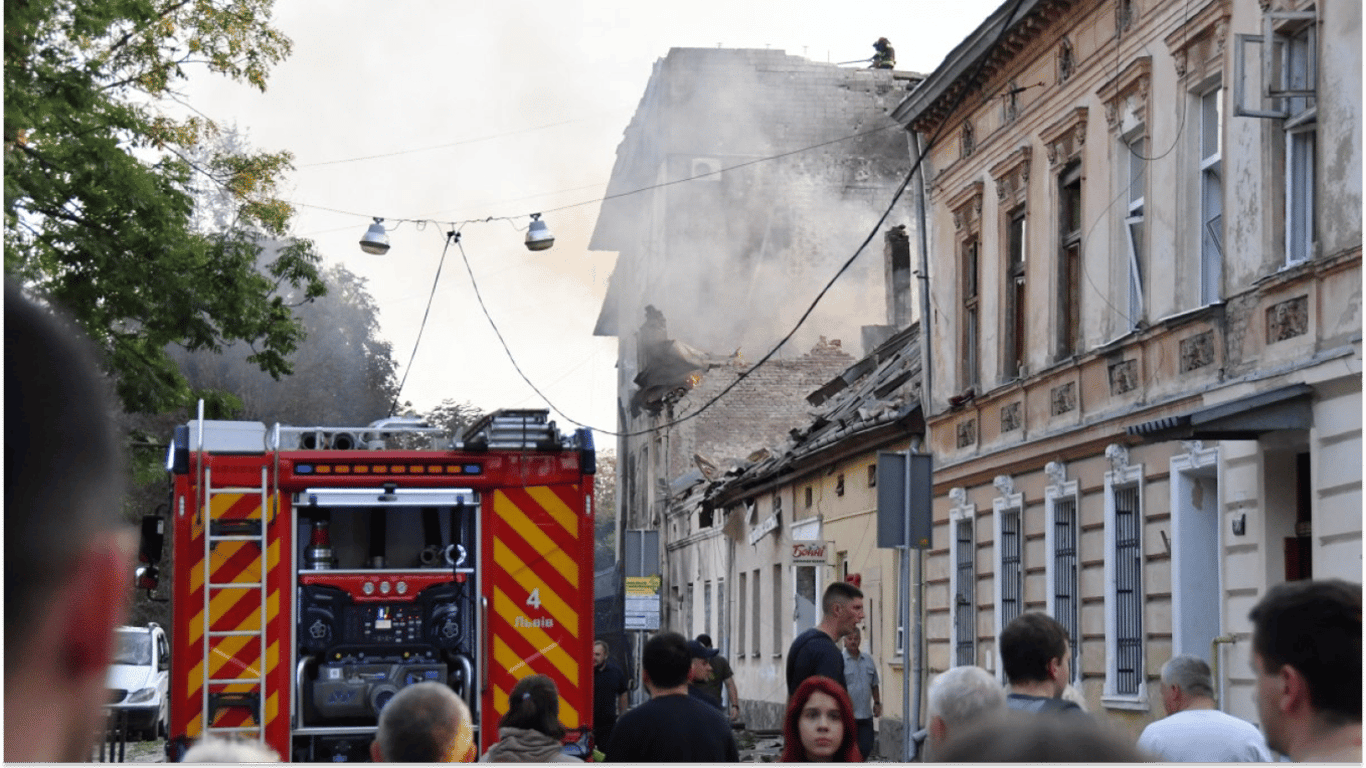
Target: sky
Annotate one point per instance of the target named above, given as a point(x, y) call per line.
point(440, 115)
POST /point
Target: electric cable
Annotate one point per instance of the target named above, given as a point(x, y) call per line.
point(605, 198)
point(431, 295)
point(901, 188)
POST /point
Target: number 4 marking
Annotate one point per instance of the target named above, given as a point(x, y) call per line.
point(534, 599)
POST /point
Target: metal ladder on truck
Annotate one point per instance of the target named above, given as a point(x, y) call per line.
point(253, 532)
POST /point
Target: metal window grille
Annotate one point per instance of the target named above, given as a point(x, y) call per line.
point(1065, 598)
point(1128, 593)
point(965, 631)
point(1010, 578)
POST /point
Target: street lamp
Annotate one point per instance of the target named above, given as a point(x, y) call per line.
point(538, 237)
point(376, 240)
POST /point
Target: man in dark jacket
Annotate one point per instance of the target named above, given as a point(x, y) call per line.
point(609, 693)
point(672, 727)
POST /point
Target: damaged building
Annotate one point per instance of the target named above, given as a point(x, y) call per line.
point(744, 182)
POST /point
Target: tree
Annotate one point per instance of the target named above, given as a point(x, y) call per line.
point(605, 520)
point(343, 370)
point(99, 174)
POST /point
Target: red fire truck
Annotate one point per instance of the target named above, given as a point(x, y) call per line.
point(319, 570)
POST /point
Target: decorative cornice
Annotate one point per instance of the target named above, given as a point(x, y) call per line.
point(1189, 43)
point(1012, 173)
point(1064, 139)
point(966, 205)
point(1130, 85)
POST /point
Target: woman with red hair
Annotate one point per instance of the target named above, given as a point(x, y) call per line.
point(819, 726)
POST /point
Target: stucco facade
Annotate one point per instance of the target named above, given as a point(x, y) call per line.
point(1147, 391)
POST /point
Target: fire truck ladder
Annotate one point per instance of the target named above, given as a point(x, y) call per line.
point(254, 531)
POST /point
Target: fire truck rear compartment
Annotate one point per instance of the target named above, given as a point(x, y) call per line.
point(386, 598)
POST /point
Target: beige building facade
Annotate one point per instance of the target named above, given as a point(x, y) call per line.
point(1146, 285)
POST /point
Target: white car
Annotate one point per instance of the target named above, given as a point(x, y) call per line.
point(139, 679)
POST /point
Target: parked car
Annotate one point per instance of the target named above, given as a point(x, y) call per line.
point(139, 679)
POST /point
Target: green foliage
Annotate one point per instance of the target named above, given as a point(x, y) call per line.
point(100, 177)
point(343, 370)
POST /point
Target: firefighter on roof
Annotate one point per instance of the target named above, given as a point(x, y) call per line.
point(885, 58)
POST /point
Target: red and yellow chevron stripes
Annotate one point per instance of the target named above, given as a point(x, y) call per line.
point(539, 588)
point(230, 608)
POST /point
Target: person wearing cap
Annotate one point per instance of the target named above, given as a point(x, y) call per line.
point(672, 727)
point(721, 674)
point(699, 671)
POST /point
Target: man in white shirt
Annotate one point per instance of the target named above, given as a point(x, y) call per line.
point(1194, 731)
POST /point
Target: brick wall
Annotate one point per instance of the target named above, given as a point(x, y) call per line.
point(759, 411)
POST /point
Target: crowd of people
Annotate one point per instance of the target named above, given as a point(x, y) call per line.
point(67, 551)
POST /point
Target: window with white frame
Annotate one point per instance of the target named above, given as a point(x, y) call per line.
point(1009, 567)
point(806, 610)
point(706, 608)
point(1136, 163)
point(742, 616)
point(1301, 133)
point(1275, 76)
point(1128, 590)
point(722, 628)
point(1211, 196)
point(963, 579)
point(1124, 621)
point(1013, 351)
point(690, 610)
point(1007, 511)
point(1061, 539)
point(777, 614)
point(755, 648)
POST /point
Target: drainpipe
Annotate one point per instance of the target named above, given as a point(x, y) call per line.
point(1214, 662)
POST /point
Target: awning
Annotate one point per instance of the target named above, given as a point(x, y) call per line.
point(1244, 419)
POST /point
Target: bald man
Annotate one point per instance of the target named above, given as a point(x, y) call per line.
point(424, 723)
